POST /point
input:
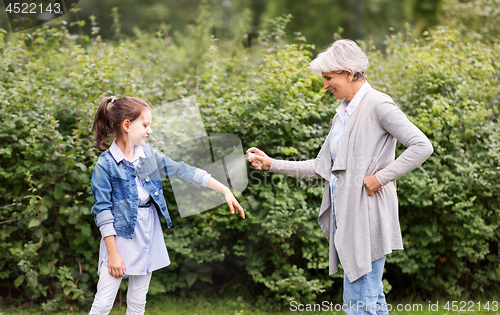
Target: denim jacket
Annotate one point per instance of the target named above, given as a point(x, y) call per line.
point(115, 191)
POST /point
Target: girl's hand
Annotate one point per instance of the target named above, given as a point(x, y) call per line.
point(233, 203)
point(259, 159)
point(230, 199)
point(116, 265)
point(372, 184)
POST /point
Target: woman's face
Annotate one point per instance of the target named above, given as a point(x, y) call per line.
point(337, 83)
point(140, 129)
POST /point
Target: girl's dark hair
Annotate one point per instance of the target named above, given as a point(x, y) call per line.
point(110, 115)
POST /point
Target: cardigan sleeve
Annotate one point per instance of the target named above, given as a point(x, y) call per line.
point(299, 169)
point(418, 146)
point(308, 169)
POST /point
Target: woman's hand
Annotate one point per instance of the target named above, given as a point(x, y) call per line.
point(372, 184)
point(116, 265)
point(259, 159)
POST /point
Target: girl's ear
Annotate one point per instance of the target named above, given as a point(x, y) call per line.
point(126, 125)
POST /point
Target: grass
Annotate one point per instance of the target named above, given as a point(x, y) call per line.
point(234, 307)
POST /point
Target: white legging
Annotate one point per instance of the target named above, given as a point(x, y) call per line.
point(108, 286)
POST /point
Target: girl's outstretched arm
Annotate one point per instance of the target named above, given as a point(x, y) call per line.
point(230, 199)
point(116, 266)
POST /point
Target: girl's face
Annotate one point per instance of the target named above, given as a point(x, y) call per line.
point(140, 129)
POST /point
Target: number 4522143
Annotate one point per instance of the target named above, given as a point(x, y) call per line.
point(463, 306)
point(33, 8)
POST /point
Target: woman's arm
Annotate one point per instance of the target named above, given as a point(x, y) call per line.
point(230, 199)
point(418, 146)
point(299, 169)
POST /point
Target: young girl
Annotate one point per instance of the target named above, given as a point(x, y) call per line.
point(128, 194)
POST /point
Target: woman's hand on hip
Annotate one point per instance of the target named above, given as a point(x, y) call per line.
point(259, 159)
point(372, 184)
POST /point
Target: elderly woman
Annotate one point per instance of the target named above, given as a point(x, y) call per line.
point(359, 210)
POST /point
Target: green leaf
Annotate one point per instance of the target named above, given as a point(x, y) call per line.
point(474, 285)
point(18, 281)
point(33, 222)
point(67, 290)
point(206, 277)
point(54, 247)
point(86, 232)
point(191, 278)
point(81, 166)
point(58, 191)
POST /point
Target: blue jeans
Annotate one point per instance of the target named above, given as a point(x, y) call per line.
point(366, 294)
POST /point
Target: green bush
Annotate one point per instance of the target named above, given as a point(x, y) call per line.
point(475, 19)
point(50, 87)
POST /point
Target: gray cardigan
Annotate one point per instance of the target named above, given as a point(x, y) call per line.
point(367, 226)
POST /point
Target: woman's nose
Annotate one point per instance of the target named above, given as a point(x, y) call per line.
point(325, 85)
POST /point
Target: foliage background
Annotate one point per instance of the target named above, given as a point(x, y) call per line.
point(317, 20)
point(263, 93)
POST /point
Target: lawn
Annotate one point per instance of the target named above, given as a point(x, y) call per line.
point(229, 307)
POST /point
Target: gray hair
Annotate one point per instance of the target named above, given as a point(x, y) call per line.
point(343, 55)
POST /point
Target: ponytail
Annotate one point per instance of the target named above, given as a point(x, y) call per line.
point(110, 115)
point(102, 125)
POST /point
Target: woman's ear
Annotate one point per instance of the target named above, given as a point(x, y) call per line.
point(350, 76)
point(126, 125)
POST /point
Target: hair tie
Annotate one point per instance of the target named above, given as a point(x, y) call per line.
point(112, 99)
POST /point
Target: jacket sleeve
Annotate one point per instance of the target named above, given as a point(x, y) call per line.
point(418, 146)
point(179, 170)
point(101, 190)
